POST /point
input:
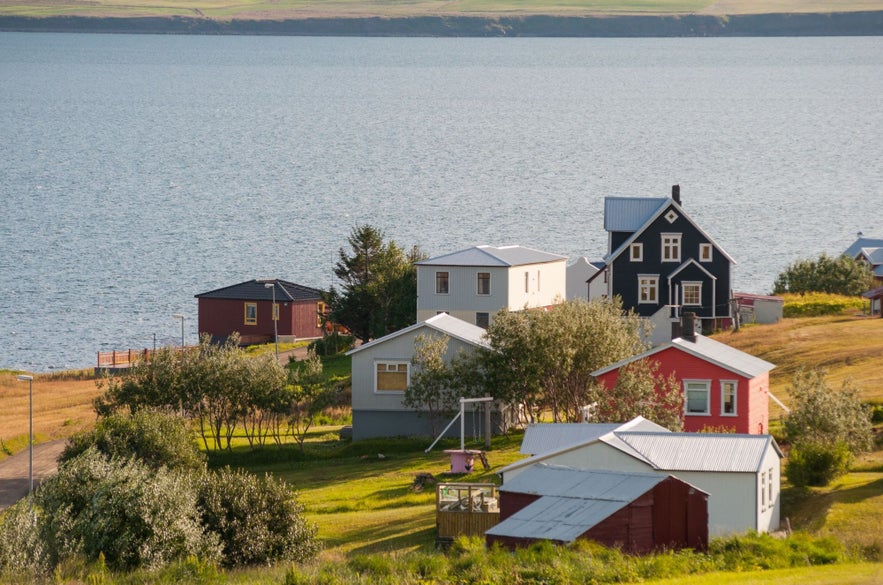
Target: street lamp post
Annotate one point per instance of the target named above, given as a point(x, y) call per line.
point(272, 285)
point(181, 317)
point(30, 380)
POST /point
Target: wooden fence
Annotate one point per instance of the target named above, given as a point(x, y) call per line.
point(128, 357)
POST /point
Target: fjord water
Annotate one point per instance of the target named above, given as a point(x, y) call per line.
point(137, 171)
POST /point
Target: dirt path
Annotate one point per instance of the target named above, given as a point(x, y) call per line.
point(14, 470)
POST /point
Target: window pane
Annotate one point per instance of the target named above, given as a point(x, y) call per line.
point(729, 398)
point(441, 283)
point(697, 398)
point(392, 377)
point(484, 283)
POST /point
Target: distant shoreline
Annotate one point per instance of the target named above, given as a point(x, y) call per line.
point(868, 23)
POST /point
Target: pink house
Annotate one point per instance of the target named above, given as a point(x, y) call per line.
point(724, 388)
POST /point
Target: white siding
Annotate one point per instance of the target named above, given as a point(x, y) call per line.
point(547, 285)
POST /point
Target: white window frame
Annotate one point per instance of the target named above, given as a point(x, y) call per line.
point(671, 243)
point(636, 252)
point(651, 285)
point(763, 491)
point(706, 384)
point(447, 281)
point(691, 284)
point(387, 363)
point(706, 252)
point(478, 279)
point(735, 386)
point(770, 487)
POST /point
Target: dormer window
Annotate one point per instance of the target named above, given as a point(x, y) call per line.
point(636, 252)
point(671, 247)
point(705, 252)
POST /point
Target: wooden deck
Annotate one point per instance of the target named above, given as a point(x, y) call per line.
point(465, 509)
point(122, 359)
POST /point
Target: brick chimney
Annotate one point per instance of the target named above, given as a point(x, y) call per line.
point(676, 193)
point(688, 326)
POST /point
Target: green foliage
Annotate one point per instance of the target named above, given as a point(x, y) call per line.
point(430, 390)
point(155, 438)
point(332, 344)
point(641, 391)
point(818, 304)
point(257, 520)
point(378, 285)
point(812, 463)
point(838, 275)
point(21, 550)
point(310, 394)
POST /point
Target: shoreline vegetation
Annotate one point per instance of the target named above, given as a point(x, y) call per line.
point(858, 23)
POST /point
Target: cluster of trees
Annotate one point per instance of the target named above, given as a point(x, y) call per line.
point(223, 390)
point(135, 493)
point(542, 361)
point(826, 429)
point(835, 275)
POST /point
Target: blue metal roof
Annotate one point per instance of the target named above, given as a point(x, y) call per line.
point(492, 256)
point(856, 247)
point(628, 214)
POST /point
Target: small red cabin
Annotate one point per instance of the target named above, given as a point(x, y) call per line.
point(724, 388)
point(247, 308)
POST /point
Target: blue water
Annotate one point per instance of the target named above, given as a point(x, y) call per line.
point(137, 171)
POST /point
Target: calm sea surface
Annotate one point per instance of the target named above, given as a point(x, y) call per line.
point(137, 171)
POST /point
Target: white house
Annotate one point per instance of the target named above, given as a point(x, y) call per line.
point(741, 473)
point(473, 284)
point(381, 372)
point(579, 273)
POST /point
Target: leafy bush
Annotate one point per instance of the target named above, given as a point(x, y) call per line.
point(812, 463)
point(257, 520)
point(332, 345)
point(156, 439)
point(819, 304)
point(838, 275)
point(21, 550)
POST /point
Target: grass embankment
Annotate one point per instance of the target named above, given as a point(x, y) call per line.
point(295, 9)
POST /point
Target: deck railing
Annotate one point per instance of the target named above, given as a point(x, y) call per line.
point(128, 357)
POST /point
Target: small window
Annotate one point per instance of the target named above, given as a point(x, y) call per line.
point(648, 289)
point(483, 320)
point(441, 283)
point(538, 280)
point(770, 487)
point(705, 252)
point(763, 491)
point(484, 283)
point(526, 281)
point(251, 313)
point(696, 397)
point(671, 247)
point(692, 293)
point(391, 376)
point(320, 313)
point(636, 252)
point(728, 398)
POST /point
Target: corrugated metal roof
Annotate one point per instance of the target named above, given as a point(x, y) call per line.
point(698, 451)
point(547, 437)
point(572, 502)
point(874, 255)
point(627, 214)
point(492, 256)
point(443, 323)
point(853, 250)
point(255, 290)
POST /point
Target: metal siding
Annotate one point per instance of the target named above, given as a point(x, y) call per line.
point(547, 437)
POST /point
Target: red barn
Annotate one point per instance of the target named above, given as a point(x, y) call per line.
point(640, 512)
point(724, 388)
point(247, 308)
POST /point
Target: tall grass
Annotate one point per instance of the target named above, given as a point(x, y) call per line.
point(819, 304)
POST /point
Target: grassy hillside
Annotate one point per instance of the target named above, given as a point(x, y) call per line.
point(294, 9)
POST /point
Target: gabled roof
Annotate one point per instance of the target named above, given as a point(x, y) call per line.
point(572, 500)
point(874, 293)
point(853, 250)
point(255, 290)
point(874, 256)
point(704, 348)
point(546, 437)
point(443, 323)
point(628, 214)
point(691, 262)
point(658, 210)
point(492, 256)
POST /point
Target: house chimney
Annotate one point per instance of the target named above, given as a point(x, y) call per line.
point(676, 193)
point(688, 326)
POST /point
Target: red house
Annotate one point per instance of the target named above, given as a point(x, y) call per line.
point(724, 388)
point(247, 308)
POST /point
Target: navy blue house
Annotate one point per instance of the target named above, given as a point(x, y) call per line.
point(661, 263)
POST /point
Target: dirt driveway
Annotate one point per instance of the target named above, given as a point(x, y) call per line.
point(14, 470)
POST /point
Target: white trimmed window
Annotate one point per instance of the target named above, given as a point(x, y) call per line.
point(671, 247)
point(251, 313)
point(696, 400)
point(728, 397)
point(441, 283)
point(691, 293)
point(391, 376)
point(648, 289)
point(770, 487)
point(636, 252)
point(483, 283)
point(763, 491)
point(705, 252)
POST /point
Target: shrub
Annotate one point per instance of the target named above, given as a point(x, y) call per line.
point(813, 463)
point(819, 304)
point(838, 275)
point(21, 550)
point(156, 439)
point(257, 520)
point(332, 345)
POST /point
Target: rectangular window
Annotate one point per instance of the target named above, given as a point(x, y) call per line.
point(484, 283)
point(526, 281)
point(538, 280)
point(705, 251)
point(671, 247)
point(391, 376)
point(728, 397)
point(320, 313)
point(251, 313)
point(770, 487)
point(763, 491)
point(483, 320)
point(696, 397)
point(648, 289)
point(692, 293)
point(636, 252)
point(441, 283)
